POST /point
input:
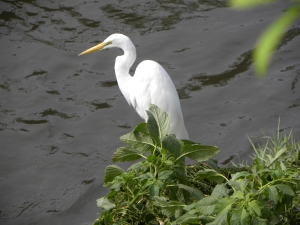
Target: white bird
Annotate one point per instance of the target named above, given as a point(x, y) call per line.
point(150, 83)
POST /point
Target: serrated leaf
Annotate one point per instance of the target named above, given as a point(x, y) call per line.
point(141, 127)
point(254, 208)
point(172, 145)
point(139, 141)
point(220, 191)
point(158, 122)
point(188, 218)
point(106, 204)
point(111, 172)
point(239, 174)
point(239, 217)
point(199, 152)
point(221, 218)
point(273, 194)
point(169, 208)
point(125, 154)
point(193, 191)
point(285, 189)
point(238, 195)
point(224, 203)
point(163, 175)
point(153, 190)
point(209, 174)
point(206, 206)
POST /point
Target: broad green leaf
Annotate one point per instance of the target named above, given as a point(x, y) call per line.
point(172, 145)
point(285, 189)
point(151, 158)
point(222, 216)
point(206, 206)
point(141, 127)
point(187, 218)
point(239, 174)
point(111, 172)
point(141, 142)
point(169, 208)
point(245, 4)
point(271, 37)
point(209, 174)
point(158, 121)
point(125, 154)
point(260, 221)
point(238, 195)
point(106, 204)
point(254, 208)
point(193, 191)
point(153, 190)
point(273, 194)
point(239, 217)
point(224, 203)
point(198, 152)
point(163, 175)
point(220, 191)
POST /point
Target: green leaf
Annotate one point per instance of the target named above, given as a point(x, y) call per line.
point(222, 216)
point(220, 191)
point(172, 145)
point(285, 189)
point(273, 194)
point(209, 174)
point(223, 204)
point(193, 191)
point(239, 174)
point(163, 175)
point(169, 208)
point(271, 37)
point(277, 155)
point(141, 127)
point(111, 172)
point(244, 4)
point(158, 122)
point(199, 152)
point(153, 190)
point(188, 218)
point(205, 206)
point(254, 208)
point(105, 204)
point(139, 141)
point(239, 217)
point(125, 154)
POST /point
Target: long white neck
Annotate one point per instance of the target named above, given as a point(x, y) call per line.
point(122, 67)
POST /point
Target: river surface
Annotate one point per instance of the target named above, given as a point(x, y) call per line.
point(61, 116)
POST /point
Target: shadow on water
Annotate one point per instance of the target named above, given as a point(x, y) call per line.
point(242, 64)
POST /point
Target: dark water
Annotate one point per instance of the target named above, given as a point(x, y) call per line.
point(61, 116)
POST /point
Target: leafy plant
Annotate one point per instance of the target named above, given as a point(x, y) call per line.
point(268, 192)
point(161, 189)
point(272, 35)
point(158, 187)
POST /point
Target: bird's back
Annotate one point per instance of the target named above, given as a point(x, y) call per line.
point(152, 84)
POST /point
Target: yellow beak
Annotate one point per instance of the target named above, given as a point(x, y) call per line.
point(95, 48)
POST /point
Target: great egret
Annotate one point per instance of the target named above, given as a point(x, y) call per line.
point(150, 83)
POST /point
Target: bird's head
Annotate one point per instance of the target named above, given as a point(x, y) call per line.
point(113, 41)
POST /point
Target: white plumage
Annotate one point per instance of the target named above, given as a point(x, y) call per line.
point(150, 83)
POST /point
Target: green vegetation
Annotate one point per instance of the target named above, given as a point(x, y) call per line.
point(160, 189)
point(268, 41)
